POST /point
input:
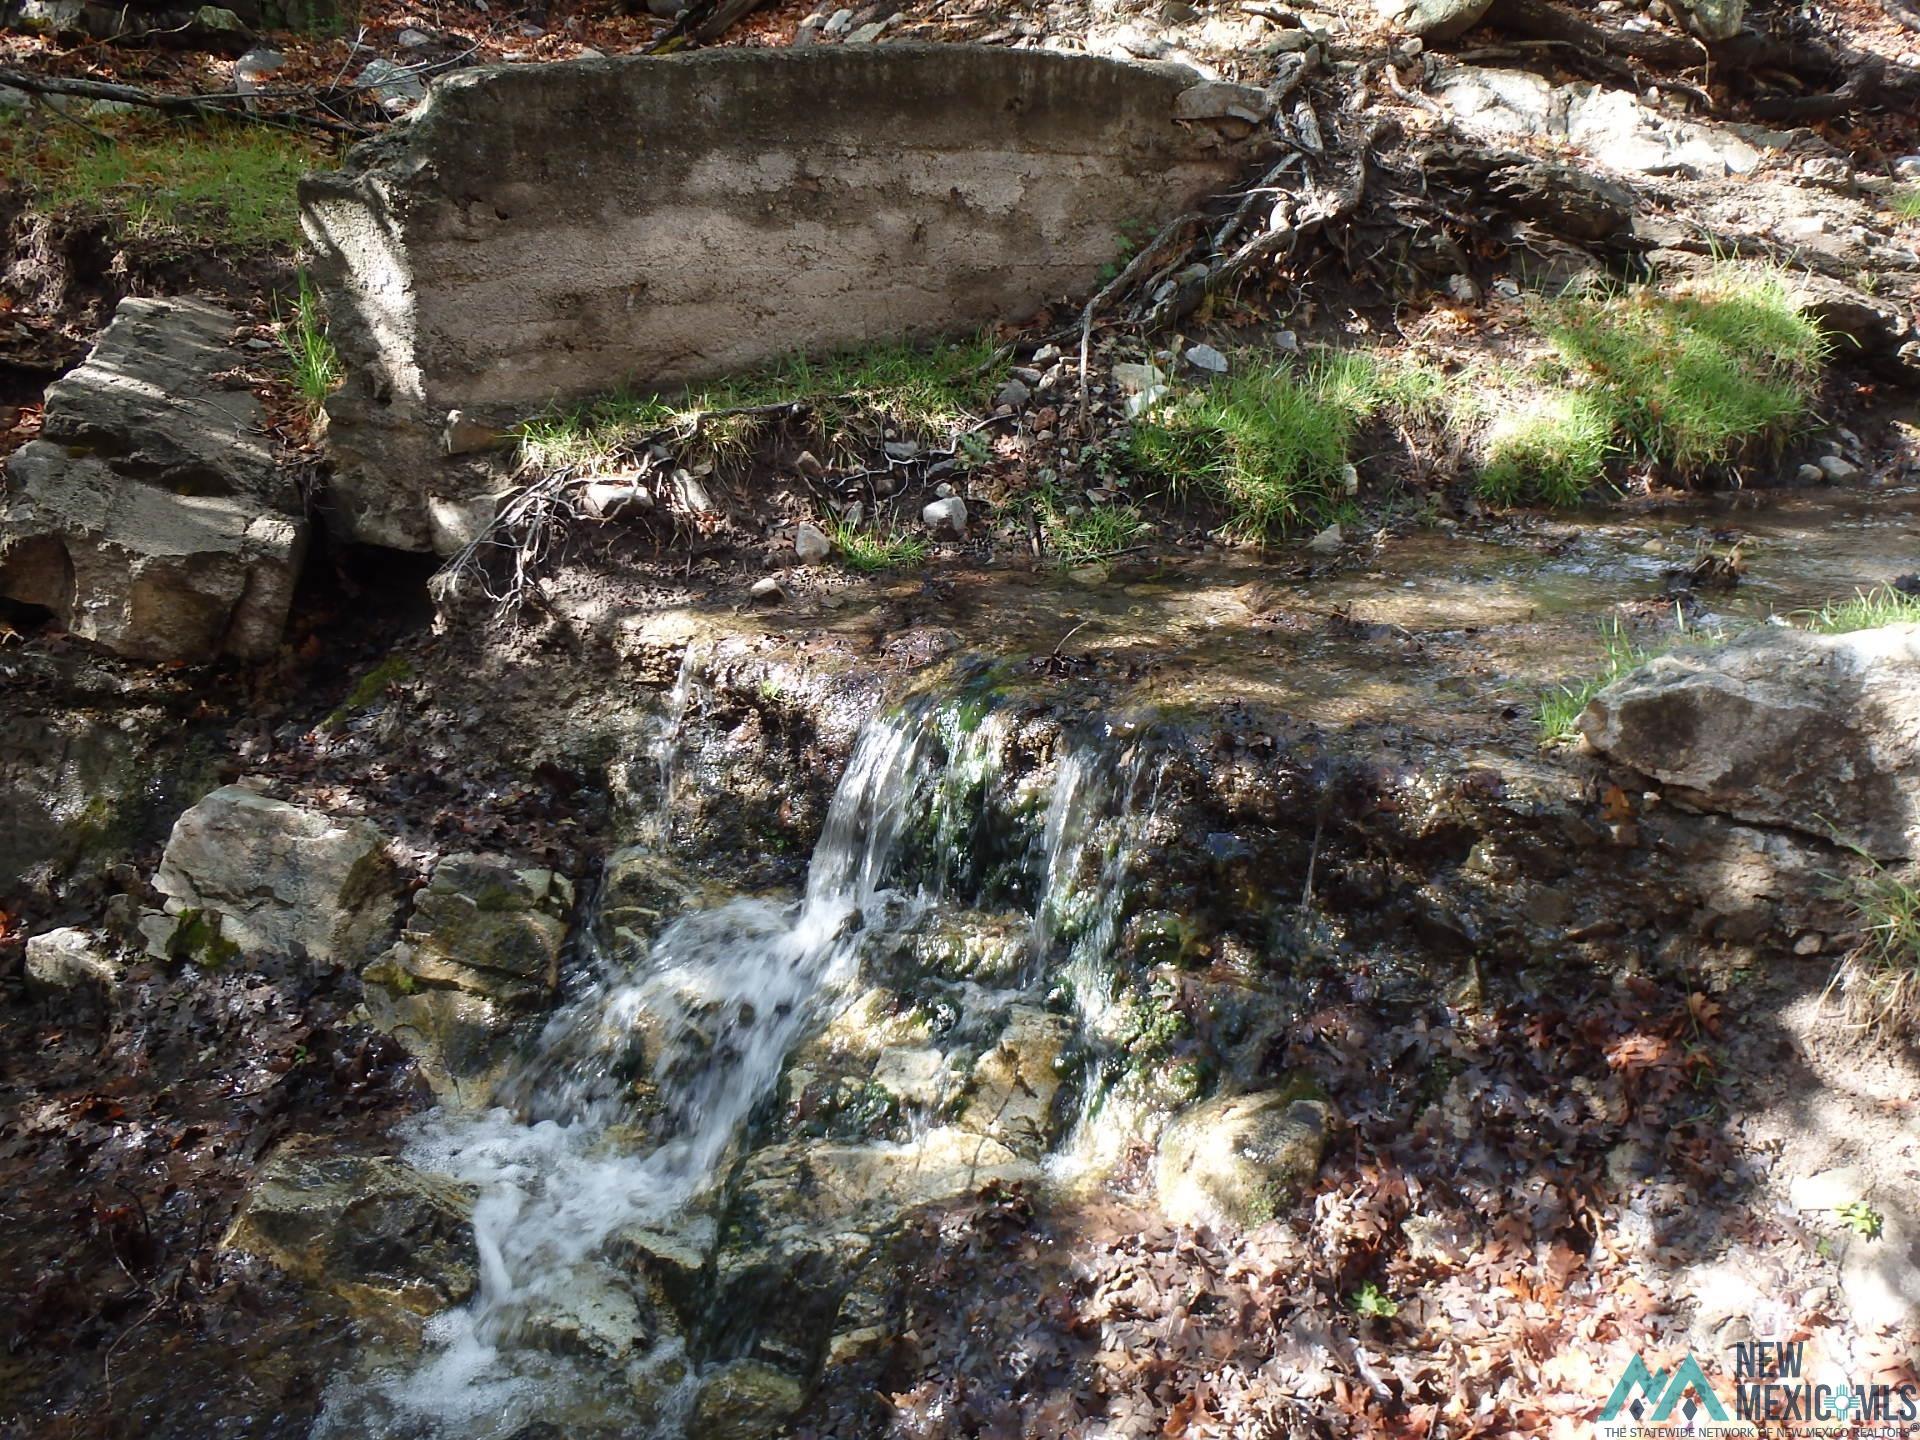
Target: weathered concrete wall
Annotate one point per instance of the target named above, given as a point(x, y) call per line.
point(547, 232)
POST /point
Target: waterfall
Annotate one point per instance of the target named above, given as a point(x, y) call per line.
point(726, 992)
point(714, 1004)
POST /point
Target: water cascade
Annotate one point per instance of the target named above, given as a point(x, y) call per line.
point(583, 1154)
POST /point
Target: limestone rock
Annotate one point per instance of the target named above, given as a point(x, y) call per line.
point(1235, 1160)
point(149, 516)
point(1814, 733)
point(745, 1401)
point(1015, 1083)
point(376, 1232)
point(1434, 19)
point(69, 959)
point(946, 517)
point(810, 544)
point(251, 879)
point(480, 953)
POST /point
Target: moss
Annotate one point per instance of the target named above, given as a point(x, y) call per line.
point(369, 688)
point(197, 940)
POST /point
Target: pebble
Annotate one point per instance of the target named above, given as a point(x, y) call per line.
point(412, 39)
point(1014, 394)
point(1046, 355)
point(947, 516)
point(1907, 167)
point(1811, 475)
point(1205, 357)
point(811, 544)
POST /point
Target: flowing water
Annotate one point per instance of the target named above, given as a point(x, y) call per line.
point(717, 1001)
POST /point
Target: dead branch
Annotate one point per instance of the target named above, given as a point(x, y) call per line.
point(227, 106)
point(1118, 286)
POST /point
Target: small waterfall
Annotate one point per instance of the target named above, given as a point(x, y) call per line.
point(689, 683)
point(594, 1144)
point(724, 994)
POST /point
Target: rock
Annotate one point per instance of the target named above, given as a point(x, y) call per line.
point(1014, 394)
point(1012, 1090)
point(1434, 19)
point(946, 517)
point(479, 956)
point(70, 959)
point(666, 9)
point(746, 1400)
point(1236, 1161)
point(1205, 357)
point(1838, 470)
point(1810, 475)
point(253, 69)
point(1907, 167)
point(376, 1232)
point(412, 39)
point(767, 590)
point(149, 516)
point(1814, 733)
point(398, 88)
point(810, 544)
point(219, 28)
point(1328, 541)
point(1218, 100)
point(1828, 1190)
point(1143, 385)
point(589, 1315)
point(1715, 19)
point(52, 17)
point(616, 498)
point(252, 879)
point(867, 33)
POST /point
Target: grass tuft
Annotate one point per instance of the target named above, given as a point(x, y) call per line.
point(1905, 202)
point(1560, 707)
point(210, 184)
point(849, 402)
point(1270, 445)
point(316, 364)
point(1094, 532)
point(1880, 978)
point(870, 551)
point(1550, 450)
point(1698, 379)
point(1866, 609)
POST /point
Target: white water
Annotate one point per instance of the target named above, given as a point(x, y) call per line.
point(726, 992)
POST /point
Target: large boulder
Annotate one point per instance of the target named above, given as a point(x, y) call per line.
point(1814, 733)
point(1434, 19)
point(1237, 1160)
point(250, 880)
point(390, 1240)
point(480, 953)
point(149, 516)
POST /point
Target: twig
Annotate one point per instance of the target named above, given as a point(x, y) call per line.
point(202, 106)
point(1117, 286)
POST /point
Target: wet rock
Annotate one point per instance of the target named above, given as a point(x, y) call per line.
point(250, 880)
point(70, 959)
point(1816, 733)
point(480, 952)
point(149, 516)
point(745, 1401)
point(947, 517)
point(1839, 470)
point(1434, 19)
point(810, 544)
point(591, 1316)
point(1236, 1161)
point(384, 1237)
point(1014, 1084)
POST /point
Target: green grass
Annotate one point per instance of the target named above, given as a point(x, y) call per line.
point(1865, 609)
point(316, 364)
point(1095, 532)
point(1269, 445)
point(1905, 202)
point(1880, 978)
point(226, 185)
point(1548, 448)
point(1560, 707)
point(1699, 379)
point(869, 551)
point(852, 402)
